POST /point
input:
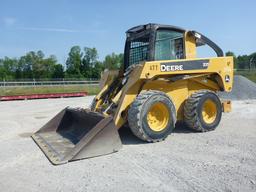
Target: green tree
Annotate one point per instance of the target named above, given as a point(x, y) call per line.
point(25, 68)
point(113, 61)
point(58, 71)
point(74, 62)
point(49, 66)
point(34, 61)
point(243, 61)
point(2, 70)
point(35, 65)
point(7, 68)
point(97, 69)
point(252, 58)
point(89, 62)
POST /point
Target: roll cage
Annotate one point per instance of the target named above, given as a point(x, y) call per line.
point(147, 36)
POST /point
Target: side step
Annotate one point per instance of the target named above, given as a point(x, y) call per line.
point(75, 134)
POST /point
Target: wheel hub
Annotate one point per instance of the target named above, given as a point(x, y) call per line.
point(158, 116)
point(209, 111)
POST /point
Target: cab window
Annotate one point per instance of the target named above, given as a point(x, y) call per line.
point(169, 45)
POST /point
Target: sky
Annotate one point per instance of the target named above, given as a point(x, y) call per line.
point(54, 26)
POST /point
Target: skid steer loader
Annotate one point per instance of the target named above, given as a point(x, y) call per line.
point(161, 82)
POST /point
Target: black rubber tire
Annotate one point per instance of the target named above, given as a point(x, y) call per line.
point(137, 116)
point(193, 111)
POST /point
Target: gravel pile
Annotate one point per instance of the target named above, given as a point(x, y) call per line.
point(243, 89)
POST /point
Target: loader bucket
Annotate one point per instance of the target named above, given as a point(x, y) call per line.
point(77, 134)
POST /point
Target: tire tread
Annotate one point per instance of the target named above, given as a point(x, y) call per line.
point(134, 115)
point(191, 117)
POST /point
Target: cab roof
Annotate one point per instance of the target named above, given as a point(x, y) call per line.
point(153, 27)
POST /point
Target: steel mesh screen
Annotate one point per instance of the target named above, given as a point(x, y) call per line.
point(138, 51)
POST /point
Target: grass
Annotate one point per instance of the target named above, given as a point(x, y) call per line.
point(248, 74)
point(9, 91)
point(90, 89)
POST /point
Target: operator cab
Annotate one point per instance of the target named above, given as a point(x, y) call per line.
point(154, 42)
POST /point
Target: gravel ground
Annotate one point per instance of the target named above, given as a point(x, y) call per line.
point(221, 160)
point(243, 88)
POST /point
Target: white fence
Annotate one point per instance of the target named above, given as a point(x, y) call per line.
point(33, 83)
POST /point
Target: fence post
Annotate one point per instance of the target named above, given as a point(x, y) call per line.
point(63, 85)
